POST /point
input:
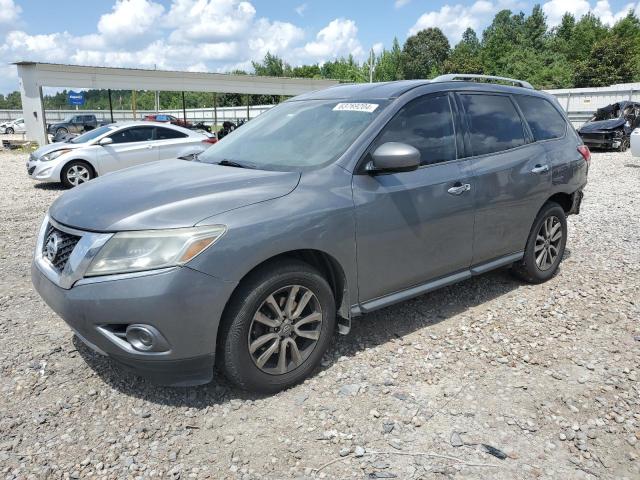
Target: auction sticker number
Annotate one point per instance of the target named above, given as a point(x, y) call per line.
point(355, 107)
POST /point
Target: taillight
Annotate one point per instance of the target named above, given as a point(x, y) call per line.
point(584, 151)
point(210, 140)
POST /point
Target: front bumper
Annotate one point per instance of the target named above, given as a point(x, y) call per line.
point(604, 140)
point(183, 304)
point(43, 171)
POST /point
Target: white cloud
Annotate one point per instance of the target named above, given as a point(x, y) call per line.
point(209, 20)
point(300, 9)
point(9, 12)
point(377, 48)
point(129, 19)
point(339, 38)
point(453, 20)
point(555, 9)
point(401, 3)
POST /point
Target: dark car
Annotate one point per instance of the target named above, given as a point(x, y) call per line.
point(610, 126)
point(163, 118)
point(328, 206)
point(74, 124)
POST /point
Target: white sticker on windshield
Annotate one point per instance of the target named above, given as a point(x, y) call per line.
point(355, 107)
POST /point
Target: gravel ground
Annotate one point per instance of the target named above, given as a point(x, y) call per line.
point(546, 374)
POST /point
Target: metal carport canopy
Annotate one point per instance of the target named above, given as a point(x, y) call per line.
point(34, 75)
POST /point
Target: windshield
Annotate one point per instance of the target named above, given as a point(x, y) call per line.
point(295, 135)
point(91, 134)
point(68, 118)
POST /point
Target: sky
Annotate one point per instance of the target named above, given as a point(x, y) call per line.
point(223, 35)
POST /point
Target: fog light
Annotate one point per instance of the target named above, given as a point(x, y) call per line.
point(145, 338)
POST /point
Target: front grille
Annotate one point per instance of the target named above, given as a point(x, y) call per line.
point(57, 246)
point(31, 170)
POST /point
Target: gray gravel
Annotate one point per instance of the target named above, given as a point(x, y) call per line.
point(437, 387)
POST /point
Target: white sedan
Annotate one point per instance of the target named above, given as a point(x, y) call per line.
point(13, 126)
point(113, 147)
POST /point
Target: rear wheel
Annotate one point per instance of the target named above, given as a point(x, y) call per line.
point(276, 327)
point(76, 172)
point(545, 245)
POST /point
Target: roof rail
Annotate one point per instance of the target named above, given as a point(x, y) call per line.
point(471, 76)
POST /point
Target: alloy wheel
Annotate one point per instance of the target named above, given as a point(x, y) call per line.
point(78, 174)
point(548, 239)
point(285, 329)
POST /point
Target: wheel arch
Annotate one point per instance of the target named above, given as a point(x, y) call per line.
point(77, 159)
point(330, 269)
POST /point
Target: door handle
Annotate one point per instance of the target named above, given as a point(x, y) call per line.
point(459, 188)
point(539, 169)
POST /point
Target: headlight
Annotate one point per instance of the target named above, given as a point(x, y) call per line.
point(54, 155)
point(150, 249)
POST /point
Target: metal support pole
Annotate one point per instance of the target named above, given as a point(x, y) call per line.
point(110, 106)
point(248, 99)
point(184, 109)
point(215, 110)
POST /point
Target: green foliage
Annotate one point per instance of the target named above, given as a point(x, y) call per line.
point(580, 53)
point(424, 53)
point(465, 57)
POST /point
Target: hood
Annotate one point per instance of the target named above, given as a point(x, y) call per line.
point(601, 125)
point(166, 194)
point(52, 147)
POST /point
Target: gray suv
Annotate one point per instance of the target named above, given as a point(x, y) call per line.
point(329, 206)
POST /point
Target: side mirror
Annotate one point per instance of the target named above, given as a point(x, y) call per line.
point(394, 157)
point(105, 141)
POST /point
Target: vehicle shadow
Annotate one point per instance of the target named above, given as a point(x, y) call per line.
point(50, 186)
point(367, 331)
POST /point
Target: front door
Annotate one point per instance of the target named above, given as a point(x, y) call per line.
point(130, 147)
point(415, 226)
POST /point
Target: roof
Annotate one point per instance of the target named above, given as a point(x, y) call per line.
point(389, 90)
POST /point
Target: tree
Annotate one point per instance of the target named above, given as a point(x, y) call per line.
point(611, 61)
point(535, 29)
point(424, 53)
point(465, 57)
point(271, 66)
point(388, 65)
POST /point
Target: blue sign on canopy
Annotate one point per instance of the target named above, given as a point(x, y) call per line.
point(76, 98)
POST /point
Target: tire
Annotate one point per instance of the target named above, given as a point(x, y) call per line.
point(75, 173)
point(624, 145)
point(239, 330)
point(61, 131)
point(10, 131)
point(535, 267)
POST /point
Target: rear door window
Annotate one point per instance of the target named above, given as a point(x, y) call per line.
point(425, 123)
point(494, 123)
point(544, 120)
point(168, 133)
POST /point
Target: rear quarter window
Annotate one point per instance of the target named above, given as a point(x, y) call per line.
point(544, 120)
point(494, 123)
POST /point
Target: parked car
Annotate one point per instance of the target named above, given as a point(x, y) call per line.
point(330, 205)
point(610, 127)
point(112, 147)
point(14, 126)
point(75, 124)
point(168, 119)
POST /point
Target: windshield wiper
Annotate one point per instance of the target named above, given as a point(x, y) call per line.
point(231, 163)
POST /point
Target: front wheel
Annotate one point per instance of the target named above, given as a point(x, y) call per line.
point(76, 172)
point(10, 131)
point(276, 327)
point(545, 245)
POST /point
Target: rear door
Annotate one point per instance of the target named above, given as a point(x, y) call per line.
point(415, 226)
point(172, 144)
point(131, 146)
point(512, 174)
